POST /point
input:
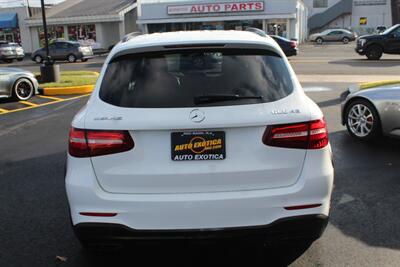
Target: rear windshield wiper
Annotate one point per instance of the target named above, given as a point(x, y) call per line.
point(218, 98)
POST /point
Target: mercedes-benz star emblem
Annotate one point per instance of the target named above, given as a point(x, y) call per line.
point(196, 115)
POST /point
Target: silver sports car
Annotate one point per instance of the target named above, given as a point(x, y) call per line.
point(17, 83)
point(368, 113)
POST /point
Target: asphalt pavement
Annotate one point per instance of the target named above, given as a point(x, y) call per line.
point(364, 228)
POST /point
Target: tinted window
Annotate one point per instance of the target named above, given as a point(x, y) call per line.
point(175, 79)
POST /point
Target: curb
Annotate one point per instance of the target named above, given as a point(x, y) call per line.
point(70, 90)
point(368, 85)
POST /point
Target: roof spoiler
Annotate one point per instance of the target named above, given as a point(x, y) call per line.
point(130, 36)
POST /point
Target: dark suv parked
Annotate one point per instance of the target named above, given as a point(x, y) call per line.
point(373, 46)
point(64, 50)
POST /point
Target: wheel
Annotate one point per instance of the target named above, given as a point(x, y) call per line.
point(38, 59)
point(283, 254)
point(362, 120)
point(84, 59)
point(20, 59)
point(345, 40)
point(8, 60)
point(374, 52)
point(23, 89)
point(71, 58)
point(319, 40)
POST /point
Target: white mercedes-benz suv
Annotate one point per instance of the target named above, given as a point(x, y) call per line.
point(203, 134)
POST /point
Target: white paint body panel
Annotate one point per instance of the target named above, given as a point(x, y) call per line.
point(150, 191)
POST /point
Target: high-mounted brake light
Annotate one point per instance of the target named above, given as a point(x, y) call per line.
point(305, 135)
point(92, 143)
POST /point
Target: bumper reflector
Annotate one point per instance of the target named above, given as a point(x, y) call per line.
point(302, 207)
point(98, 214)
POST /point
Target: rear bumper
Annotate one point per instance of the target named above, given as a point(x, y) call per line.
point(14, 56)
point(291, 52)
point(360, 51)
point(214, 210)
point(309, 227)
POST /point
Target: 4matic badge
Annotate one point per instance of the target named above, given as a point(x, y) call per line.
point(285, 111)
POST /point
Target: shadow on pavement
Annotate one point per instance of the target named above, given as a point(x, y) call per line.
point(365, 203)
point(328, 103)
point(364, 62)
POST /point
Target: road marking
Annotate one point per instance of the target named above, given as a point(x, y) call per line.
point(317, 89)
point(2, 110)
point(44, 104)
point(50, 97)
point(28, 103)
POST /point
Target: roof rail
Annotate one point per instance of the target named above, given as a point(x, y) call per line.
point(130, 36)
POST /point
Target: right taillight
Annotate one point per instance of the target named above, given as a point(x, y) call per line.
point(304, 135)
point(92, 143)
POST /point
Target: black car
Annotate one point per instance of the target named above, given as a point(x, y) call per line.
point(289, 47)
point(64, 50)
point(11, 51)
point(373, 46)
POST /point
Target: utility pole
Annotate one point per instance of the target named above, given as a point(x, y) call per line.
point(49, 72)
point(46, 38)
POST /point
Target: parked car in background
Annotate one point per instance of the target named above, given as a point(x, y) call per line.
point(17, 83)
point(64, 50)
point(368, 113)
point(240, 141)
point(11, 51)
point(333, 35)
point(375, 45)
point(289, 47)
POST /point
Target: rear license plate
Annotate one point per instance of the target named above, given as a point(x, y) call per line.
point(202, 145)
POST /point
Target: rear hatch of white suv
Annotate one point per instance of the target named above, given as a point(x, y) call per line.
point(197, 120)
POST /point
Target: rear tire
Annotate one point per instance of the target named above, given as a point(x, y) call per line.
point(374, 52)
point(38, 59)
point(284, 254)
point(345, 40)
point(84, 59)
point(319, 40)
point(20, 59)
point(95, 247)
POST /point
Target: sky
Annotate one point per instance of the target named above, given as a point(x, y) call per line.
point(33, 3)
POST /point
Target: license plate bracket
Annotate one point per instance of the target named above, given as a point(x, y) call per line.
point(198, 145)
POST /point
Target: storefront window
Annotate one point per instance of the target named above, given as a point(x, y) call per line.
point(53, 32)
point(10, 35)
point(277, 27)
point(82, 32)
point(212, 25)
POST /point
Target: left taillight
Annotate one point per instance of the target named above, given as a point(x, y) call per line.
point(92, 143)
point(304, 135)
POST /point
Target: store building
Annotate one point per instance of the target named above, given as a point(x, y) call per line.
point(99, 23)
point(362, 16)
point(12, 25)
point(287, 18)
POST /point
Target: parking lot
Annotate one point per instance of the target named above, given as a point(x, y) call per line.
point(364, 228)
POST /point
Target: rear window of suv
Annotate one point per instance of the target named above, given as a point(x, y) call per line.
point(177, 79)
